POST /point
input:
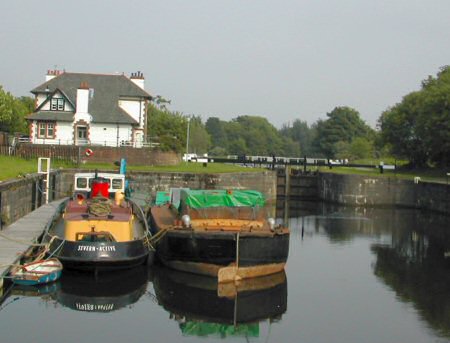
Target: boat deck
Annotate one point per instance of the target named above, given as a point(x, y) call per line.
point(17, 237)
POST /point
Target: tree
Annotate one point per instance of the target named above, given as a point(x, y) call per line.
point(167, 128)
point(343, 124)
point(199, 138)
point(215, 128)
point(13, 111)
point(6, 110)
point(301, 133)
point(418, 128)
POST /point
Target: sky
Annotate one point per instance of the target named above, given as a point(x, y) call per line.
point(283, 60)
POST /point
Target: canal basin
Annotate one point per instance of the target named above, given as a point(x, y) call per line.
point(353, 275)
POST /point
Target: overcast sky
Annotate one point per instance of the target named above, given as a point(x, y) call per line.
point(284, 59)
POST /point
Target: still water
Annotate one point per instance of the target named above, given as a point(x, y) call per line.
point(353, 275)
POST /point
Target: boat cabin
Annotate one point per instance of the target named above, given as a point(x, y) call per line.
point(107, 184)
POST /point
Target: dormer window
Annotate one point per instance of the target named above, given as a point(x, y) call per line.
point(57, 104)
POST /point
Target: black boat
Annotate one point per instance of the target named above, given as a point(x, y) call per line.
point(220, 233)
point(99, 228)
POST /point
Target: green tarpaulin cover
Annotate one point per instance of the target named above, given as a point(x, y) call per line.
point(191, 328)
point(162, 198)
point(197, 199)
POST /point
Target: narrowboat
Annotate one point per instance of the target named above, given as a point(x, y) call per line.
point(225, 234)
point(99, 228)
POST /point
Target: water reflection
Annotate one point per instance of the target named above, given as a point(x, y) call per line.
point(202, 307)
point(416, 266)
point(411, 249)
point(104, 292)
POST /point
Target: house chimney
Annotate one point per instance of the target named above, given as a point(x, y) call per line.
point(51, 74)
point(82, 99)
point(138, 79)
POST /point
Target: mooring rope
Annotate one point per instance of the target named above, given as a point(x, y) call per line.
point(100, 206)
point(158, 236)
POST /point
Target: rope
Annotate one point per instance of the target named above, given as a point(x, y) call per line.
point(46, 249)
point(100, 207)
point(158, 236)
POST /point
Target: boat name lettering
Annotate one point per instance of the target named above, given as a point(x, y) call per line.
point(94, 307)
point(94, 248)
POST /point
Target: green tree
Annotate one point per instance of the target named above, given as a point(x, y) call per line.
point(301, 133)
point(360, 148)
point(167, 128)
point(343, 124)
point(216, 129)
point(6, 110)
point(13, 112)
point(199, 138)
point(418, 128)
point(261, 137)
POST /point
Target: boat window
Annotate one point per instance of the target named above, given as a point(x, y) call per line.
point(81, 182)
point(116, 183)
point(94, 237)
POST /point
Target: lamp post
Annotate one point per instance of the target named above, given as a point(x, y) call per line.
point(187, 138)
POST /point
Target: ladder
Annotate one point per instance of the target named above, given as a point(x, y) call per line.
point(44, 168)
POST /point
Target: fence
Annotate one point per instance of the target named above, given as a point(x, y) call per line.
point(57, 152)
point(100, 154)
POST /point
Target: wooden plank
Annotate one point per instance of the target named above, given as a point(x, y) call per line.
point(17, 237)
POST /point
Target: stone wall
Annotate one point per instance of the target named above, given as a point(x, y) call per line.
point(358, 190)
point(20, 196)
point(265, 182)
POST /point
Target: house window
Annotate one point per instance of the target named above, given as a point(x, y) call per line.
point(82, 132)
point(50, 130)
point(46, 130)
point(41, 130)
point(57, 104)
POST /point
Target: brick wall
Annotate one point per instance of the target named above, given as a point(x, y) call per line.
point(134, 156)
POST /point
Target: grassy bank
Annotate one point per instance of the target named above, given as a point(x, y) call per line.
point(13, 167)
point(429, 175)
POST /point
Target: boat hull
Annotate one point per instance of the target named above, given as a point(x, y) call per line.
point(39, 281)
point(225, 255)
point(37, 273)
point(100, 255)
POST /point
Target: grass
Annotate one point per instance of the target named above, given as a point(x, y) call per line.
point(14, 167)
point(430, 175)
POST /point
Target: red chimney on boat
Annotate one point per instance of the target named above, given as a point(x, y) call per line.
point(100, 187)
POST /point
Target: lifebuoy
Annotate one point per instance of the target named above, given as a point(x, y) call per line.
point(89, 152)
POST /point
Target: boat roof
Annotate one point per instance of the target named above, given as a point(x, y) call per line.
point(99, 174)
point(197, 199)
point(82, 181)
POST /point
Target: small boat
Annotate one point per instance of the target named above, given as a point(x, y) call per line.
point(221, 233)
point(99, 227)
point(37, 273)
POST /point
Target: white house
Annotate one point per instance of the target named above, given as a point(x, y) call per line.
point(90, 109)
